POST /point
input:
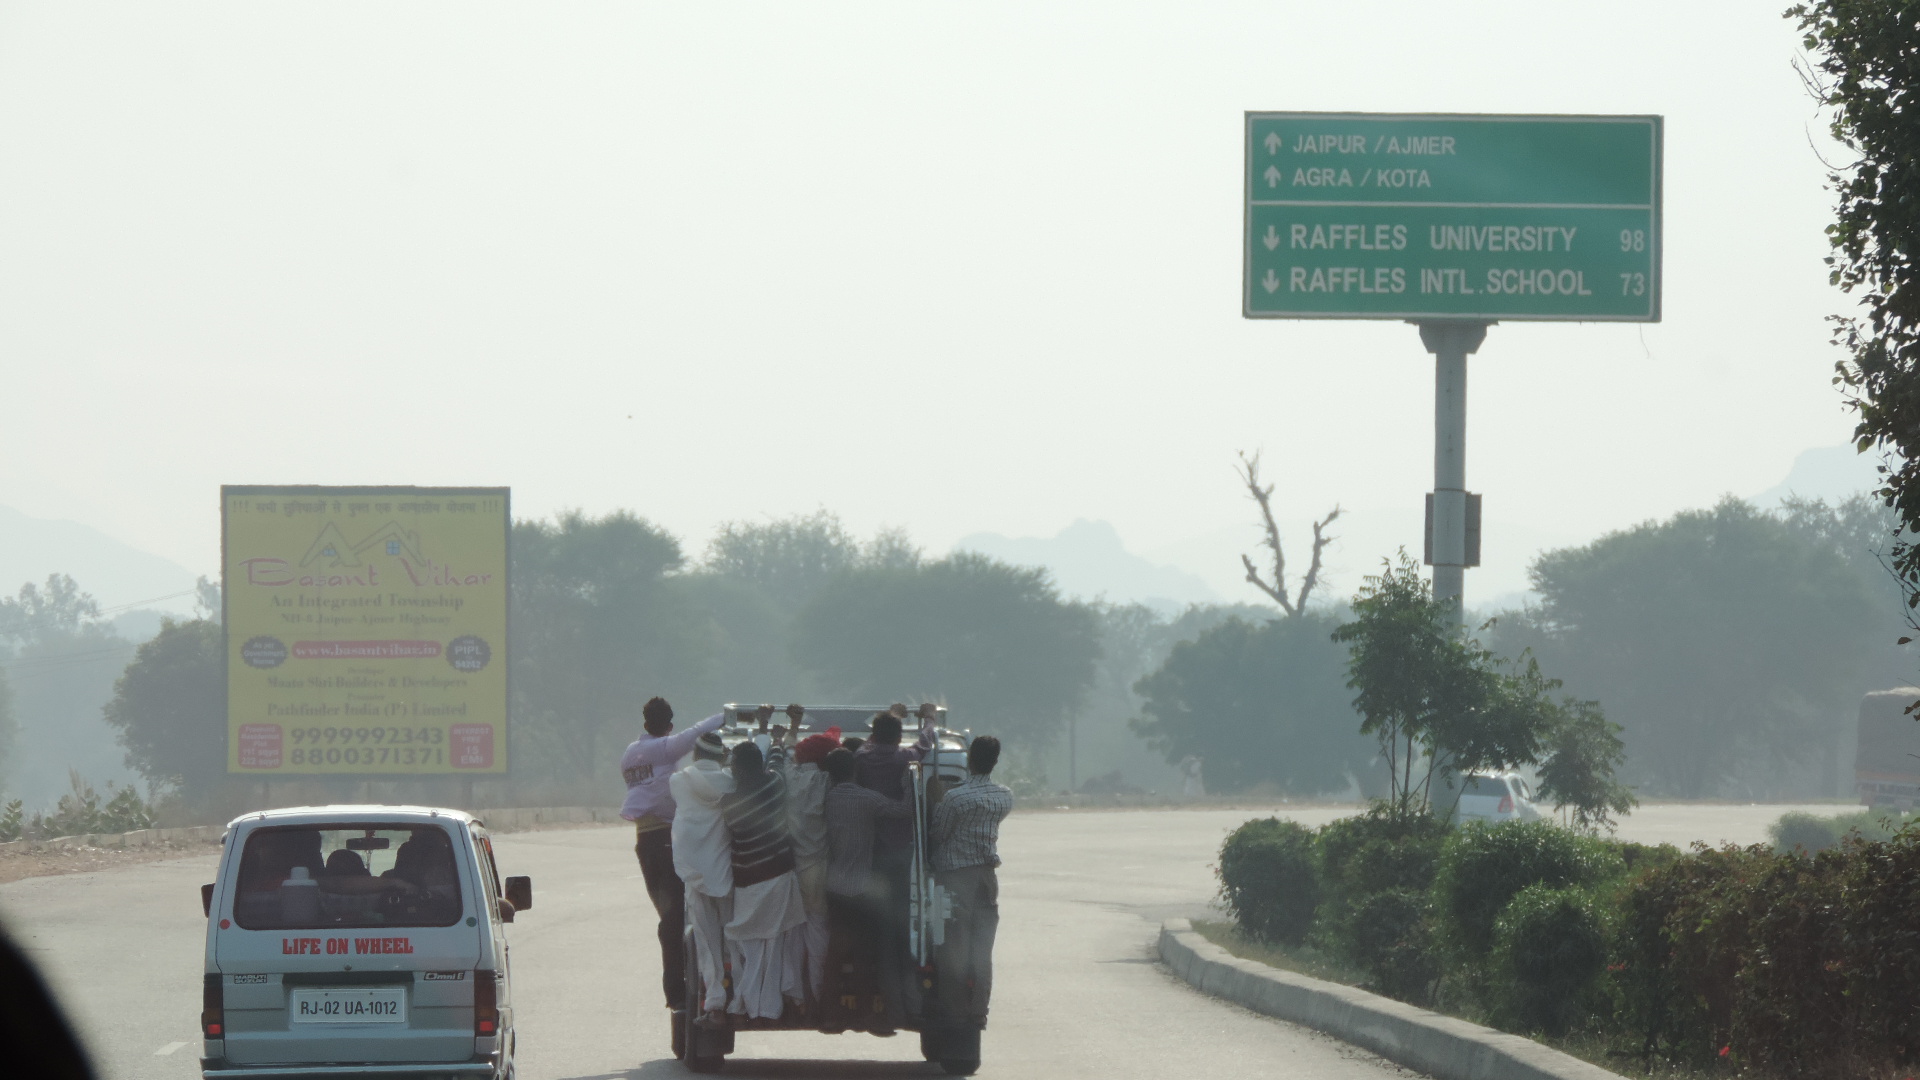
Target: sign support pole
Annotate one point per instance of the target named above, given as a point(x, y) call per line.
point(1450, 342)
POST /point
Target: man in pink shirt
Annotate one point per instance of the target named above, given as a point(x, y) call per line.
point(646, 765)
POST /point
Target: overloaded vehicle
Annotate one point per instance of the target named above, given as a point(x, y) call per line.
point(359, 941)
point(703, 1045)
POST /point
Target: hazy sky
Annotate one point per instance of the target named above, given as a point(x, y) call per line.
point(963, 268)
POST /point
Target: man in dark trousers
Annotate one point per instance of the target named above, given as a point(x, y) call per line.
point(965, 838)
point(880, 765)
point(646, 765)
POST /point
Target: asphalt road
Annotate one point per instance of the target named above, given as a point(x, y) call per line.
point(1076, 991)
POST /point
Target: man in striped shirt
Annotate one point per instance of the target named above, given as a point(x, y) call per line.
point(965, 838)
point(764, 934)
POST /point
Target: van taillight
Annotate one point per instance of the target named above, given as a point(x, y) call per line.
point(1506, 804)
point(213, 1020)
point(486, 1005)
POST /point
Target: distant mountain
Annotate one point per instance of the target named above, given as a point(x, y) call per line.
point(118, 575)
point(1832, 473)
point(1088, 560)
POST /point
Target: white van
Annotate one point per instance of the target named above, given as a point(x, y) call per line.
point(359, 941)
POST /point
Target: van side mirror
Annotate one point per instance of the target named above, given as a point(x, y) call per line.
point(505, 907)
point(206, 899)
point(520, 892)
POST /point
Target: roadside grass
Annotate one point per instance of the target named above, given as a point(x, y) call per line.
point(1303, 960)
point(1313, 963)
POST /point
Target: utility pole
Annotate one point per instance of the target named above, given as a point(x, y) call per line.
point(1451, 512)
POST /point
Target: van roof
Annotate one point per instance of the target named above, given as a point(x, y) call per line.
point(350, 813)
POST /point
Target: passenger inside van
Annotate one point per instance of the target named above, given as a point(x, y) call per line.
point(345, 864)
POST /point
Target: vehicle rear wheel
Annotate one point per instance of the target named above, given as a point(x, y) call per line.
point(958, 1050)
point(929, 1044)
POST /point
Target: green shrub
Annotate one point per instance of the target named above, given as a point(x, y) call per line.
point(1375, 871)
point(1267, 880)
point(1376, 851)
point(126, 811)
point(1550, 949)
point(1390, 935)
point(1482, 868)
point(12, 822)
point(1809, 833)
point(81, 811)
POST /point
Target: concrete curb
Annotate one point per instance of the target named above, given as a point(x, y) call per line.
point(1440, 1046)
point(193, 834)
point(510, 820)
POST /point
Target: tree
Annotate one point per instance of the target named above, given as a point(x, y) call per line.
point(1862, 530)
point(61, 660)
point(993, 641)
point(1262, 495)
point(789, 560)
point(9, 727)
point(1866, 63)
point(1728, 643)
point(595, 632)
point(58, 613)
point(1582, 750)
point(1435, 699)
point(1258, 702)
point(169, 707)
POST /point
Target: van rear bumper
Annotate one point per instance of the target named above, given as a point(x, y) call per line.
point(219, 1069)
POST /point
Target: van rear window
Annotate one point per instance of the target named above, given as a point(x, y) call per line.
point(315, 877)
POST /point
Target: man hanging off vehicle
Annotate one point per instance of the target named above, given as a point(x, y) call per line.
point(646, 767)
point(965, 838)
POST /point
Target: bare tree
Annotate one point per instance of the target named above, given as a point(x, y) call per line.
point(1249, 472)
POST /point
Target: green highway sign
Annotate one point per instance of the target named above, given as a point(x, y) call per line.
point(1435, 216)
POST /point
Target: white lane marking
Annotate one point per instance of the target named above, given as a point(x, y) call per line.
point(168, 1049)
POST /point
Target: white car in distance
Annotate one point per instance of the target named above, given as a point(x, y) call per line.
point(1494, 797)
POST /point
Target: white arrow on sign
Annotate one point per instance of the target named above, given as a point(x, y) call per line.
point(1273, 142)
point(1272, 239)
point(1273, 176)
point(1271, 281)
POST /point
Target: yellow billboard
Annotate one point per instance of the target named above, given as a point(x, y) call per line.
point(366, 629)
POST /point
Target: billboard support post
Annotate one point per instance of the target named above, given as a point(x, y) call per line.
point(1450, 342)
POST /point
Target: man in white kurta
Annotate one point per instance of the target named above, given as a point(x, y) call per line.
point(703, 857)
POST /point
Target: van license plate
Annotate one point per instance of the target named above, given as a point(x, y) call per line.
point(370, 1005)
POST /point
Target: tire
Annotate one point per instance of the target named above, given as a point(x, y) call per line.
point(689, 1040)
point(959, 1051)
point(930, 1044)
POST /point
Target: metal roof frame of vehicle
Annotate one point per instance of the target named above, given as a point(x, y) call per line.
point(351, 814)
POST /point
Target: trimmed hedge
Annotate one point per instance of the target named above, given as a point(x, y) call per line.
point(1550, 950)
point(1267, 880)
point(1484, 867)
point(1749, 960)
